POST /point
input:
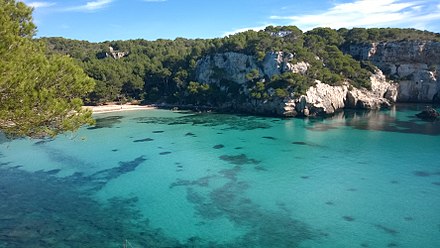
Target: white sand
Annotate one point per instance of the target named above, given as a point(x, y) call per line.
point(116, 108)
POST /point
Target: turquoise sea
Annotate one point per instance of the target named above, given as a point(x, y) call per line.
point(159, 178)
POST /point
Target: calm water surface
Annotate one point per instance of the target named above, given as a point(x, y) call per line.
point(166, 179)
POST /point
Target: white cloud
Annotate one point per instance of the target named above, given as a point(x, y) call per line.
point(369, 13)
point(37, 5)
point(98, 4)
point(239, 30)
point(90, 6)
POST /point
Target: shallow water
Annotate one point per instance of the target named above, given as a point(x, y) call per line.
point(176, 179)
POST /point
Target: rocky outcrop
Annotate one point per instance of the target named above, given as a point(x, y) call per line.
point(414, 64)
point(326, 99)
point(276, 63)
point(234, 67)
point(321, 99)
point(230, 66)
point(429, 114)
point(116, 54)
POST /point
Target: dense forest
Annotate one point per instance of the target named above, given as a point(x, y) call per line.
point(164, 70)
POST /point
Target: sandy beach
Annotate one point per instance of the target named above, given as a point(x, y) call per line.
point(116, 108)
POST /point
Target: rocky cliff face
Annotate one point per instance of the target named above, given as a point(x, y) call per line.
point(414, 64)
point(320, 99)
point(234, 67)
point(324, 99)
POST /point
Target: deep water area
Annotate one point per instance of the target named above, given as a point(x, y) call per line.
point(158, 178)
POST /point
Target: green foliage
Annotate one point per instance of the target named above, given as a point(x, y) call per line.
point(281, 93)
point(325, 35)
point(259, 91)
point(165, 70)
point(292, 82)
point(362, 35)
point(254, 74)
point(39, 95)
point(198, 93)
point(153, 70)
point(336, 67)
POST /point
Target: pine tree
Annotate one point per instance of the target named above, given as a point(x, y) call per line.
point(39, 95)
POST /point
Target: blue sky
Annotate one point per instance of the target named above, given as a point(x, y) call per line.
point(101, 20)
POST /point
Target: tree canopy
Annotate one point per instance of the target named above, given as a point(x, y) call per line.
point(165, 70)
point(40, 95)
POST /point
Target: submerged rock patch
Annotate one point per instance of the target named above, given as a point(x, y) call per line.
point(386, 229)
point(260, 168)
point(53, 172)
point(233, 122)
point(301, 143)
point(201, 182)
point(266, 228)
point(348, 218)
point(143, 140)
point(421, 173)
point(101, 178)
point(65, 215)
point(241, 159)
point(106, 122)
point(408, 218)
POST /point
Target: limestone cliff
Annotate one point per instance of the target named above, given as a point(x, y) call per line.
point(234, 67)
point(225, 66)
point(319, 99)
point(414, 64)
point(326, 99)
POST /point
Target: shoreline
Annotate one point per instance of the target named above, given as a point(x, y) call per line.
point(109, 108)
point(118, 108)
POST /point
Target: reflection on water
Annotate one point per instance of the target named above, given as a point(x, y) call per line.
point(381, 121)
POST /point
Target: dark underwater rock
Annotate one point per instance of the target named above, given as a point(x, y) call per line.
point(219, 146)
point(143, 140)
point(429, 114)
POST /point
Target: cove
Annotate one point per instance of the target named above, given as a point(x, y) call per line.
point(159, 178)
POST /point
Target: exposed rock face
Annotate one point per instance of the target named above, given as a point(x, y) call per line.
point(116, 54)
point(234, 67)
point(323, 99)
point(276, 63)
point(320, 99)
point(429, 114)
point(415, 64)
point(229, 66)
point(326, 99)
